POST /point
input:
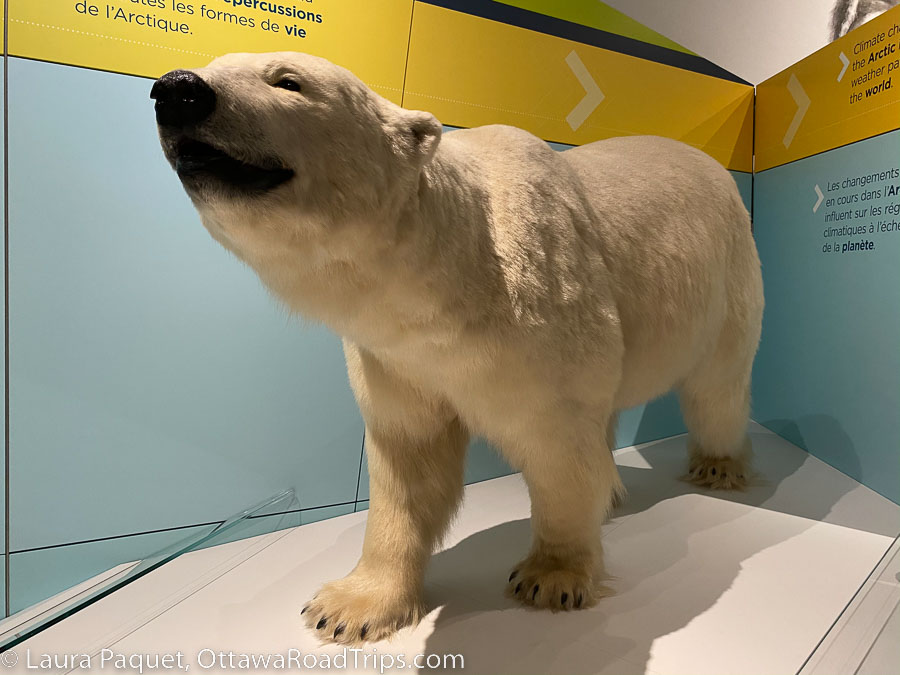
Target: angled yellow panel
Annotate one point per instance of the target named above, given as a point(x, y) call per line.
point(471, 71)
point(845, 92)
point(158, 35)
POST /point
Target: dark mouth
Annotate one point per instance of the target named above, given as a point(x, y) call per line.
point(195, 160)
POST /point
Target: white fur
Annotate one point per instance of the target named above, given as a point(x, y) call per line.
point(486, 284)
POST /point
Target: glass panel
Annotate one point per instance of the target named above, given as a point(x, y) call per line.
point(31, 623)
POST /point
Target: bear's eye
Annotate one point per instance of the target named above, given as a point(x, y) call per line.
point(285, 83)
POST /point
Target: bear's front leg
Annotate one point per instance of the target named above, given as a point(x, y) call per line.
point(414, 488)
point(572, 489)
point(416, 449)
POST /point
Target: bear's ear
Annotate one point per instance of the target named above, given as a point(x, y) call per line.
point(416, 134)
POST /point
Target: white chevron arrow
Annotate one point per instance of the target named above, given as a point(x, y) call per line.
point(819, 200)
point(843, 57)
point(802, 101)
point(592, 97)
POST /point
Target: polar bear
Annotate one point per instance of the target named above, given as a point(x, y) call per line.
point(485, 284)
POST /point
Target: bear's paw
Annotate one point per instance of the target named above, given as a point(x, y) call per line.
point(719, 473)
point(548, 583)
point(359, 609)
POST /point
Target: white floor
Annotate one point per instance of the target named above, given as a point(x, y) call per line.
point(754, 582)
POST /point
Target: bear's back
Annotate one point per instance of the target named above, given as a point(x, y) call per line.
point(505, 151)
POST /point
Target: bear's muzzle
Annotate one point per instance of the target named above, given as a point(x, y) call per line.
point(182, 99)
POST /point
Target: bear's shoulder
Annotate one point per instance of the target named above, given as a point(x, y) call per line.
point(507, 156)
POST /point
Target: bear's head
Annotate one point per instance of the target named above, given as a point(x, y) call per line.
point(291, 142)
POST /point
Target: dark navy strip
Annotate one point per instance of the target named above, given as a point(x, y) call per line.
point(523, 18)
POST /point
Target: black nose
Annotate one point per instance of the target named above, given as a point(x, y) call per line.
point(182, 99)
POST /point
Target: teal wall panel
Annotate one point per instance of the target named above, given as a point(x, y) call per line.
point(827, 376)
point(483, 462)
point(153, 382)
point(656, 419)
point(744, 182)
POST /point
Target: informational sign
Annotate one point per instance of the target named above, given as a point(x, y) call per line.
point(858, 208)
point(150, 37)
point(467, 69)
point(827, 227)
point(566, 91)
point(845, 92)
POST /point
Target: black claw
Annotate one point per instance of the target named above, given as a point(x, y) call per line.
point(563, 598)
point(303, 611)
point(322, 623)
point(362, 633)
point(518, 587)
point(513, 575)
point(578, 600)
point(534, 592)
point(339, 630)
point(712, 471)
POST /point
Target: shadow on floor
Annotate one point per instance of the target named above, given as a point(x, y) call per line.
point(664, 579)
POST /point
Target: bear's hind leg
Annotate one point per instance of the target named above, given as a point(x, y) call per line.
point(716, 411)
point(572, 490)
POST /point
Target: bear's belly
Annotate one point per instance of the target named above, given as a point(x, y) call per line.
point(510, 389)
point(500, 383)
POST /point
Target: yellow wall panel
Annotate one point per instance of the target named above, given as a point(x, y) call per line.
point(822, 102)
point(471, 71)
point(150, 37)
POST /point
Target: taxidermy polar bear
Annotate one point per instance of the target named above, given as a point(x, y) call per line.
point(482, 283)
